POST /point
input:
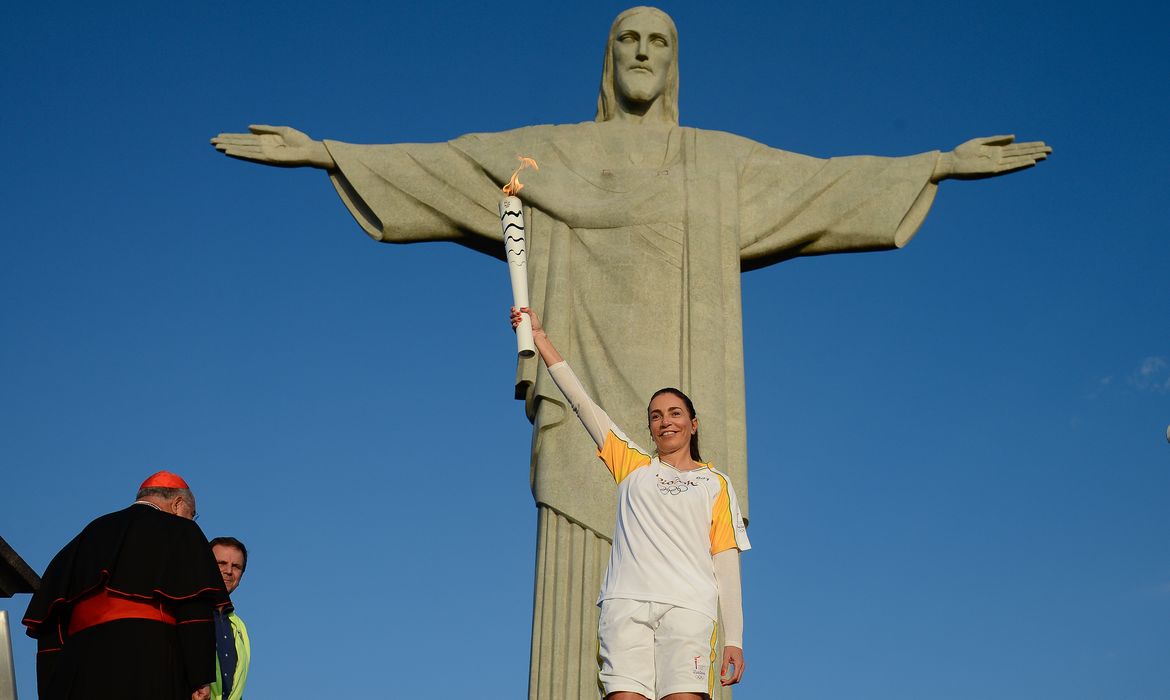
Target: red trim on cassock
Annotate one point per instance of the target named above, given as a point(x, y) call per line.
point(105, 576)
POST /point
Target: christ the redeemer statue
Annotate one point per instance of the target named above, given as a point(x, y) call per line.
point(638, 230)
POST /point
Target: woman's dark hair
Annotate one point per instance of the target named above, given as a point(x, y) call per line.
point(690, 409)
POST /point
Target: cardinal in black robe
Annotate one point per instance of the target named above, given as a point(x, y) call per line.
point(125, 609)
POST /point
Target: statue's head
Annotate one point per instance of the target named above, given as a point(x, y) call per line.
point(640, 73)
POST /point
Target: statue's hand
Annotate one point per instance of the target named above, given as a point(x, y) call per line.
point(989, 156)
point(282, 146)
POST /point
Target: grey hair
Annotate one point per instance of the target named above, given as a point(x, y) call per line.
point(165, 494)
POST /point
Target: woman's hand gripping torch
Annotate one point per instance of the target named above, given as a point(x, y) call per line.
point(516, 251)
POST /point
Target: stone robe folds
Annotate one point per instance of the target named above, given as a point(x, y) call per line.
point(637, 236)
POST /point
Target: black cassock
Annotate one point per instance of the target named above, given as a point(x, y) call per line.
point(137, 556)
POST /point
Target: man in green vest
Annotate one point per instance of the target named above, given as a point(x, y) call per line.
point(232, 648)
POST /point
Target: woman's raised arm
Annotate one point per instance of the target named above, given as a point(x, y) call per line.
point(596, 421)
point(543, 345)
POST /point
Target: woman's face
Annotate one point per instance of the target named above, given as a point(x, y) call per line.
point(671, 425)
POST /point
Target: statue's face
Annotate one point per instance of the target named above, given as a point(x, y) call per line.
point(641, 57)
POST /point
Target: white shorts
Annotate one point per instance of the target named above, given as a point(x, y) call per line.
point(655, 649)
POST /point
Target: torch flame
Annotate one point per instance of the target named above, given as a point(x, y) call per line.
point(514, 185)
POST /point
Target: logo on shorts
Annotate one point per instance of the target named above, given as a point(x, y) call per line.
point(700, 669)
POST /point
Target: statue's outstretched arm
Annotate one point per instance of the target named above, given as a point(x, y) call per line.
point(282, 146)
point(987, 157)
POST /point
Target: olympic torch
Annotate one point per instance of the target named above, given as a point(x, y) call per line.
point(516, 251)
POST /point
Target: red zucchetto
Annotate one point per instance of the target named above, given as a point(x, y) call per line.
point(164, 480)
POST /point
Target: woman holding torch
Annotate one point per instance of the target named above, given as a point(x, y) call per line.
point(674, 563)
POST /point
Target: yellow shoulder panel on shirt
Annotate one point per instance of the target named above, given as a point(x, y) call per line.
point(620, 458)
point(722, 525)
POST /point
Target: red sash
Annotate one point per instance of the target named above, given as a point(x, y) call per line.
point(103, 606)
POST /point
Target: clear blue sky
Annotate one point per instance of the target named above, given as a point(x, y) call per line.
point(959, 469)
